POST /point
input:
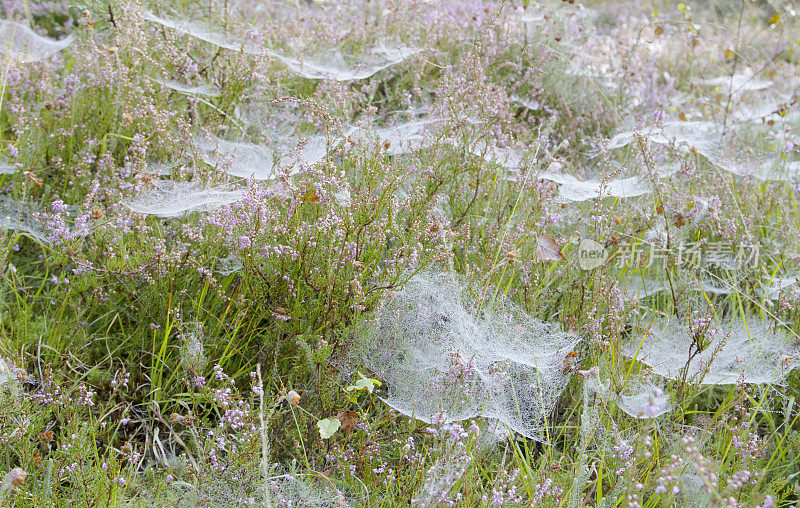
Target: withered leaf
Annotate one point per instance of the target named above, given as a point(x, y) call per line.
point(349, 420)
point(548, 250)
point(310, 196)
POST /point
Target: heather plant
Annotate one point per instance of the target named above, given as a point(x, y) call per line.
point(379, 253)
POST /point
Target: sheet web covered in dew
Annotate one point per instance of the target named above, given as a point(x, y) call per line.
point(6, 168)
point(166, 198)
point(446, 358)
point(202, 31)
point(572, 188)
point(205, 90)
point(638, 399)
point(725, 147)
point(742, 121)
point(401, 137)
point(295, 490)
point(21, 44)
point(333, 65)
point(752, 350)
point(261, 161)
point(21, 217)
point(644, 401)
point(330, 65)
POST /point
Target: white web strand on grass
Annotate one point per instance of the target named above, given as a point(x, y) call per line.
point(440, 479)
point(205, 90)
point(753, 352)
point(229, 489)
point(23, 45)
point(779, 285)
point(721, 146)
point(638, 287)
point(509, 159)
point(330, 66)
point(6, 168)
point(401, 138)
point(289, 490)
point(20, 217)
point(201, 31)
point(173, 199)
point(8, 372)
point(572, 189)
point(736, 84)
point(228, 265)
point(249, 160)
point(638, 399)
point(447, 358)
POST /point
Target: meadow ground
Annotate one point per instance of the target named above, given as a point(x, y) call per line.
point(399, 252)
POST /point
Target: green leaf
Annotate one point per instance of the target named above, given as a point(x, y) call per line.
point(364, 383)
point(328, 427)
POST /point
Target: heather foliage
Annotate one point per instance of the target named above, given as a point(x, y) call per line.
point(392, 252)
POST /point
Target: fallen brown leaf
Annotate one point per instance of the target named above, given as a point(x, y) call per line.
point(548, 250)
point(349, 420)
